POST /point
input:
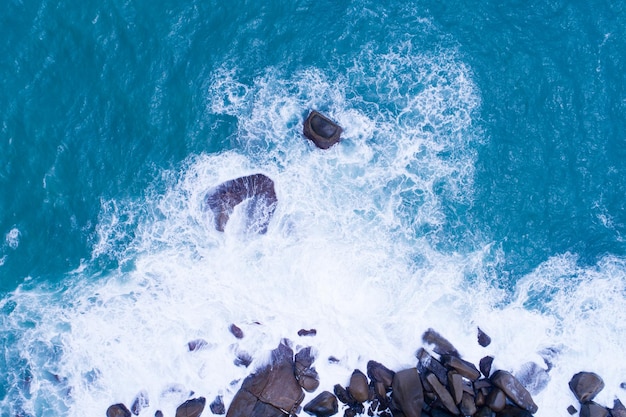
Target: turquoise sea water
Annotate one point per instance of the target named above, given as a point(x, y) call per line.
point(480, 181)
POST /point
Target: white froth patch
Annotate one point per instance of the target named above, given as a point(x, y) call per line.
point(348, 252)
point(12, 238)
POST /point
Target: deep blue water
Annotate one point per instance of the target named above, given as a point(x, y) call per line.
point(100, 102)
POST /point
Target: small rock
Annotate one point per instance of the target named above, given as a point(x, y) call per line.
point(485, 365)
point(304, 358)
point(514, 390)
point(217, 406)
point(191, 408)
point(496, 400)
point(158, 413)
point(465, 368)
point(426, 363)
point(236, 331)
point(591, 409)
point(467, 406)
point(379, 373)
point(455, 382)
point(586, 385)
point(618, 409)
point(483, 339)
point(332, 359)
point(572, 410)
point(444, 396)
point(308, 379)
point(440, 344)
point(118, 410)
point(304, 332)
point(321, 130)
point(359, 388)
point(324, 405)
point(407, 393)
point(343, 395)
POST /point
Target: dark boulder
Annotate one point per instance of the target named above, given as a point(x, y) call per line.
point(324, 405)
point(257, 189)
point(465, 368)
point(379, 373)
point(468, 405)
point(485, 365)
point(236, 331)
point(586, 385)
point(191, 408)
point(343, 395)
point(358, 388)
point(618, 409)
point(513, 411)
point(444, 395)
point(305, 332)
point(483, 338)
point(118, 410)
point(514, 390)
point(407, 394)
point(322, 131)
point(591, 409)
point(426, 363)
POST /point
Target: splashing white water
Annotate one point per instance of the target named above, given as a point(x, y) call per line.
point(349, 252)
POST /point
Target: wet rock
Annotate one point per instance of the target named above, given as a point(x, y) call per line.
point(343, 395)
point(236, 331)
point(191, 408)
point(262, 409)
point(158, 413)
point(358, 388)
point(572, 410)
point(242, 405)
point(533, 377)
point(407, 394)
point(455, 382)
point(591, 409)
point(514, 390)
point(379, 373)
point(304, 358)
point(513, 411)
point(483, 339)
point(440, 344)
point(141, 401)
point(586, 385)
point(496, 400)
point(324, 405)
point(485, 365)
point(309, 379)
point(257, 188)
point(197, 344)
point(618, 409)
point(118, 410)
point(465, 368)
point(321, 130)
point(305, 332)
point(276, 383)
point(468, 405)
point(427, 364)
point(217, 406)
point(444, 396)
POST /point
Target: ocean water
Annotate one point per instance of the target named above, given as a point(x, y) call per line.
point(480, 182)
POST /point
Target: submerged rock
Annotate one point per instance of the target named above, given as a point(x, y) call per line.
point(191, 408)
point(257, 189)
point(321, 130)
point(217, 406)
point(141, 402)
point(440, 344)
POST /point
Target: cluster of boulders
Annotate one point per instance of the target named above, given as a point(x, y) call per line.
point(585, 386)
point(442, 384)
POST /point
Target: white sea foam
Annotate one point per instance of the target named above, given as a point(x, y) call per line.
point(348, 252)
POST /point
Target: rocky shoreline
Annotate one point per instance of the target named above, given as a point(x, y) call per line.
point(442, 384)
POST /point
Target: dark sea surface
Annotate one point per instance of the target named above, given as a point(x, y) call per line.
point(480, 181)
